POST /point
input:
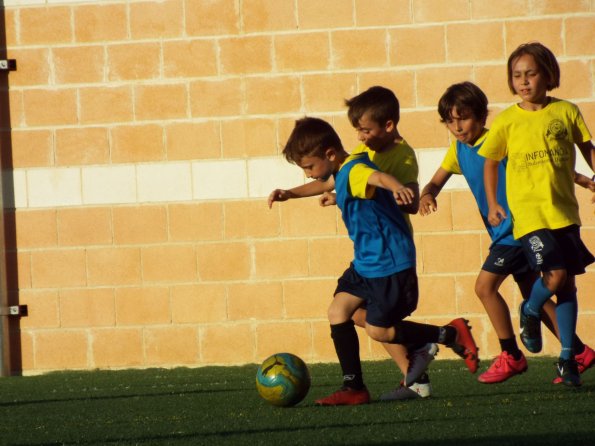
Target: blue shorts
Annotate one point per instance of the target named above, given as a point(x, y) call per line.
point(505, 260)
point(551, 249)
point(388, 300)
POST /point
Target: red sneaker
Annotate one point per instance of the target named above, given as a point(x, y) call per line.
point(464, 345)
point(503, 367)
point(345, 397)
point(585, 361)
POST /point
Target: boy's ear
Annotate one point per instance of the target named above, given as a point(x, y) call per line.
point(389, 126)
point(330, 153)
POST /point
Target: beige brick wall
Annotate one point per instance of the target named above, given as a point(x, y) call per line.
point(146, 135)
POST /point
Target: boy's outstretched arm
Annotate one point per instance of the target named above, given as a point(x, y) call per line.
point(310, 189)
point(403, 195)
point(427, 200)
point(490, 177)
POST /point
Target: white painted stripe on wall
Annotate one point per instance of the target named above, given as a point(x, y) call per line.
point(177, 181)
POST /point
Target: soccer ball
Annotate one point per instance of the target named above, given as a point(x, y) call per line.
point(283, 380)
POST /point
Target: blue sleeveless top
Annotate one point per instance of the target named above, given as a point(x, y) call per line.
point(471, 164)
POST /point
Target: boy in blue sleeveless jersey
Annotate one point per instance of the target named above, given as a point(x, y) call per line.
point(382, 274)
point(464, 109)
point(375, 114)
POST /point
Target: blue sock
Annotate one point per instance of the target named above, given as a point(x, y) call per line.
point(539, 295)
point(566, 314)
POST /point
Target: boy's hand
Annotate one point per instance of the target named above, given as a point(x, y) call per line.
point(278, 195)
point(496, 215)
point(586, 182)
point(327, 199)
point(403, 196)
point(427, 204)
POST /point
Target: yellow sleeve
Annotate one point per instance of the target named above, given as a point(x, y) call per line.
point(496, 144)
point(358, 181)
point(451, 162)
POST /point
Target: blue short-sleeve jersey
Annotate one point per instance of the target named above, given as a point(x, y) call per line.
point(383, 244)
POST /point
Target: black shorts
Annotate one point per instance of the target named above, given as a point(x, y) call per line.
point(505, 260)
point(551, 249)
point(388, 300)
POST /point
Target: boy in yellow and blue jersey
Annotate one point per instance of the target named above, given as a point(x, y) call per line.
point(382, 274)
point(463, 108)
point(375, 114)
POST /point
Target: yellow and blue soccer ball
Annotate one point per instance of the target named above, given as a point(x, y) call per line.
point(283, 379)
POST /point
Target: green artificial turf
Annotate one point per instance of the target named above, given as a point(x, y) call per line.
point(220, 406)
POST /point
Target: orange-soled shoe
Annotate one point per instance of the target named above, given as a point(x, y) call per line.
point(503, 367)
point(345, 397)
point(464, 345)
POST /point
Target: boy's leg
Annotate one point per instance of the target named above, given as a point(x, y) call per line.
point(567, 312)
point(455, 335)
point(511, 360)
point(346, 344)
point(422, 388)
point(345, 338)
point(397, 352)
point(584, 355)
point(545, 251)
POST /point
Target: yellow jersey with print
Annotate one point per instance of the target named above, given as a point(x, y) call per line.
point(541, 162)
point(399, 161)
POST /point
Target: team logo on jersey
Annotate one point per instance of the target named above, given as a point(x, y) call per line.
point(536, 244)
point(556, 130)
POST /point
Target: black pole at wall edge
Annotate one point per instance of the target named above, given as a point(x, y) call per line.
point(6, 199)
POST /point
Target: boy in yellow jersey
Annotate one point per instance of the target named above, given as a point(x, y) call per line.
point(539, 135)
point(375, 114)
point(464, 109)
point(382, 274)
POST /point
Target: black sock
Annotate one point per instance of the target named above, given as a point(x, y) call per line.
point(415, 334)
point(577, 345)
point(511, 347)
point(347, 348)
point(448, 335)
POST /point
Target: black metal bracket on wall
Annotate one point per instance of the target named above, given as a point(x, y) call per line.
point(14, 310)
point(8, 64)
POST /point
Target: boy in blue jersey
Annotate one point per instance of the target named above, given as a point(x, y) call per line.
point(464, 109)
point(375, 114)
point(382, 274)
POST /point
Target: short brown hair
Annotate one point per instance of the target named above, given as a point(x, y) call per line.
point(545, 60)
point(380, 102)
point(463, 96)
point(310, 137)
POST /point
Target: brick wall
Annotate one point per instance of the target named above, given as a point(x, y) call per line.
point(146, 136)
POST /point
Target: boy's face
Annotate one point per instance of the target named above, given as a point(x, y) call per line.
point(319, 168)
point(528, 81)
point(373, 135)
point(464, 126)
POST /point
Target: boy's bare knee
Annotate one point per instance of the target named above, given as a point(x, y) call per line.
point(555, 280)
point(380, 334)
point(359, 318)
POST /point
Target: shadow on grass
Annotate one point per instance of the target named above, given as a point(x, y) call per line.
point(254, 437)
point(119, 397)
